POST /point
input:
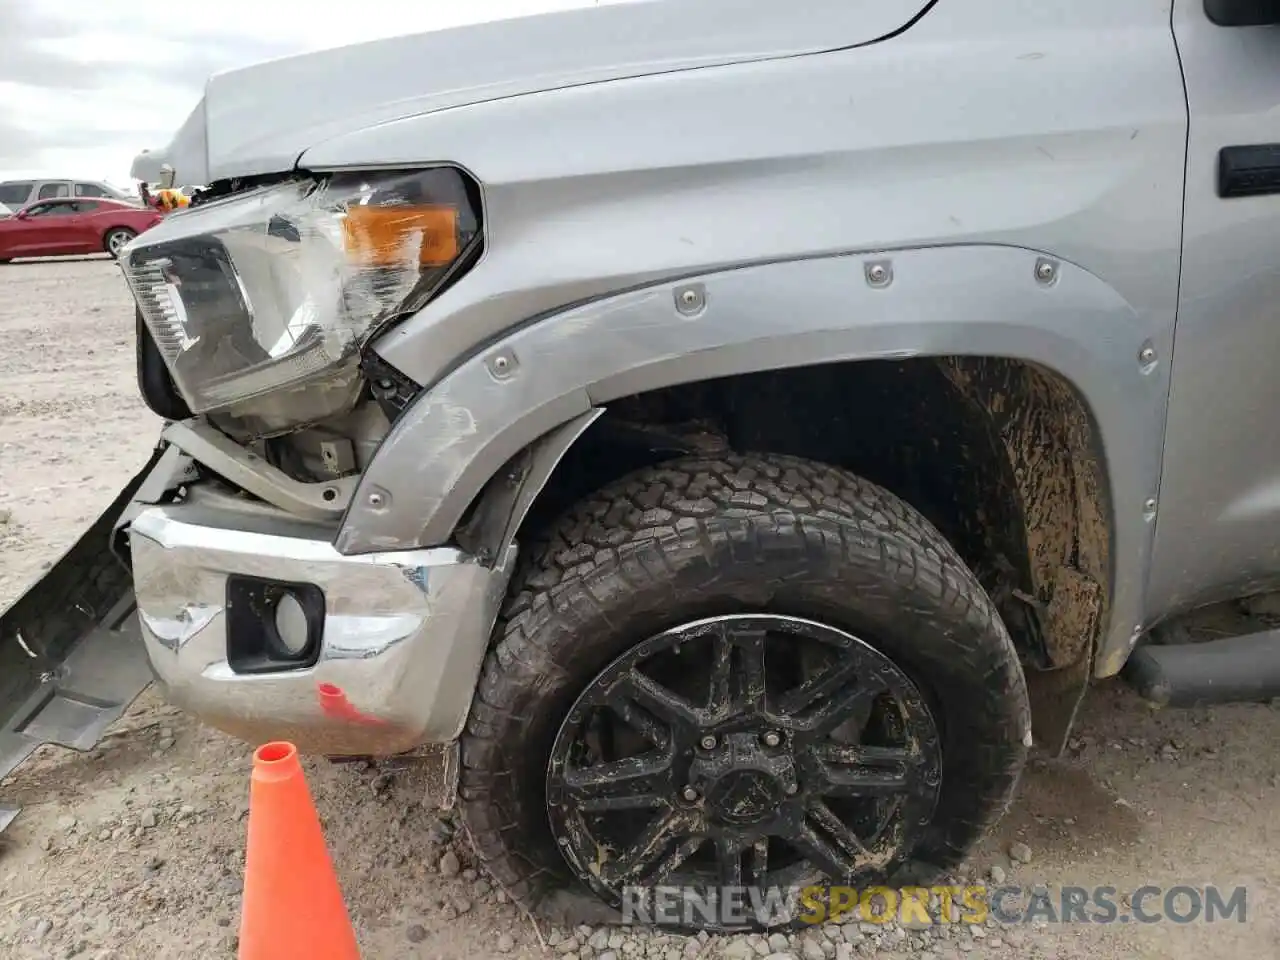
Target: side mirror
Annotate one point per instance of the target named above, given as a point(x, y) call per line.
point(1243, 13)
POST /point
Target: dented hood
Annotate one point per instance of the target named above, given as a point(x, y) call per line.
point(262, 118)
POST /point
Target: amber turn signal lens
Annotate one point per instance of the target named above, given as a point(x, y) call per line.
point(382, 236)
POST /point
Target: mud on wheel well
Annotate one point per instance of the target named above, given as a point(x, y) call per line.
point(1000, 455)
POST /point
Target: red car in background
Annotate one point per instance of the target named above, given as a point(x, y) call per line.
point(70, 226)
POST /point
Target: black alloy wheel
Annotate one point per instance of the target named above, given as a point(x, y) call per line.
point(739, 751)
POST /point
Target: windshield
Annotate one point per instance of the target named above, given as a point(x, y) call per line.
point(14, 193)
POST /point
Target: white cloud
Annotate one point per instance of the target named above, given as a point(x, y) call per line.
point(90, 84)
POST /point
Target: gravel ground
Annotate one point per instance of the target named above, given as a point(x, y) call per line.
point(136, 849)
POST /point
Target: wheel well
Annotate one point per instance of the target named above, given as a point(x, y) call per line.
point(1002, 456)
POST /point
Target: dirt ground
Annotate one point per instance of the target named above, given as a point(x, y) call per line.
point(136, 849)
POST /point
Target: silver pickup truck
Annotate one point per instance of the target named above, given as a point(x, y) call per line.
point(737, 431)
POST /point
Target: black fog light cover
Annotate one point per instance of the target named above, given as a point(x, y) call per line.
point(273, 625)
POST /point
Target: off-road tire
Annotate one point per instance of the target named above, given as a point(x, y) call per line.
point(700, 537)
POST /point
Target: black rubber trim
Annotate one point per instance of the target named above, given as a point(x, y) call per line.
point(154, 383)
point(1243, 669)
point(1249, 171)
point(253, 644)
point(1242, 13)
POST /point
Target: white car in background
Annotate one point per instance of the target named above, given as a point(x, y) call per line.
point(16, 194)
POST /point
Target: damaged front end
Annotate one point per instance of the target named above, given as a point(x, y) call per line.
point(214, 571)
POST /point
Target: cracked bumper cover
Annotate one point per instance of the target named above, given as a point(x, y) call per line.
point(403, 638)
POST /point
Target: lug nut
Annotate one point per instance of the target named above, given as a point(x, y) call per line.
point(690, 794)
point(708, 742)
point(772, 738)
point(791, 789)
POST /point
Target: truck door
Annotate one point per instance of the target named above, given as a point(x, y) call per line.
point(1218, 513)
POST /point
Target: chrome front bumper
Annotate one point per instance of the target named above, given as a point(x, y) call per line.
point(403, 637)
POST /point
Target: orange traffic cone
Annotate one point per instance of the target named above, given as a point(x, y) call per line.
point(292, 905)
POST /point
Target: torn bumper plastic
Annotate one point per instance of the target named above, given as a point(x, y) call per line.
point(71, 657)
point(399, 646)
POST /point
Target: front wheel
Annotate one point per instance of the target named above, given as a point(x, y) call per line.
point(758, 673)
point(116, 240)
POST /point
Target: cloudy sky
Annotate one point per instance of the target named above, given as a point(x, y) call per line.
point(85, 85)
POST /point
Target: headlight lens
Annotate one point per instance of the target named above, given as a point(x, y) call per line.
point(280, 286)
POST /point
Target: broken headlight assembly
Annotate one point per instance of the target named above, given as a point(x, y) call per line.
point(277, 289)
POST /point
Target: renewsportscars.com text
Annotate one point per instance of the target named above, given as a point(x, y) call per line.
point(976, 904)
